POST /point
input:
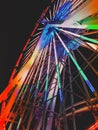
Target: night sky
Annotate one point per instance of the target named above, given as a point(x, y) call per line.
point(17, 19)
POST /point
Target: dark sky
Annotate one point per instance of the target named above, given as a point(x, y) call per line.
point(17, 19)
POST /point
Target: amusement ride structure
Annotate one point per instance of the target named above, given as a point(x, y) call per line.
point(54, 83)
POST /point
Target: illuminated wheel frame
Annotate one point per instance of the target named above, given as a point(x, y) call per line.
point(56, 73)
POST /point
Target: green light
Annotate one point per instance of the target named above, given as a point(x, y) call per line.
point(47, 81)
point(24, 88)
point(89, 20)
point(76, 64)
point(38, 82)
point(92, 27)
point(82, 73)
point(59, 83)
point(58, 73)
point(78, 67)
point(89, 39)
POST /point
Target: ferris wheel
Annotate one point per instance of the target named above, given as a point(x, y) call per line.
point(54, 83)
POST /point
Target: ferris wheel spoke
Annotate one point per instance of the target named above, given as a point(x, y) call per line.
point(58, 72)
point(31, 45)
point(78, 67)
point(37, 67)
point(79, 26)
point(47, 74)
point(76, 4)
point(36, 73)
point(37, 34)
point(57, 5)
point(41, 69)
point(71, 96)
point(30, 48)
point(86, 94)
point(79, 36)
point(94, 70)
point(54, 9)
point(89, 39)
point(34, 39)
point(91, 46)
point(81, 12)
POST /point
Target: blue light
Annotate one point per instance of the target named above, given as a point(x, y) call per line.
point(61, 95)
point(59, 16)
point(35, 93)
point(62, 13)
point(90, 86)
point(43, 21)
point(31, 88)
point(45, 96)
point(71, 45)
point(47, 35)
point(49, 29)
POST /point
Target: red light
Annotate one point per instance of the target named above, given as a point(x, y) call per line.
point(2, 124)
point(94, 126)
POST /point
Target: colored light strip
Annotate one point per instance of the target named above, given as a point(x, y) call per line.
point(58, 72)
point(19, 122)
point(83, 12)
point(18, 80)
point(62, 12)
point(46, 87)
point(47, 81)
point(78, 26)
point(92, 27)
point(93, 46)
point(36, 91)
point(89, 39)
point(38, 82)
point(94, 126)
point(76, 64)
point(47, 76)
point(70, 25)
point(79, 36)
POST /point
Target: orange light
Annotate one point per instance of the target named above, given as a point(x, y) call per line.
point(94, 126)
